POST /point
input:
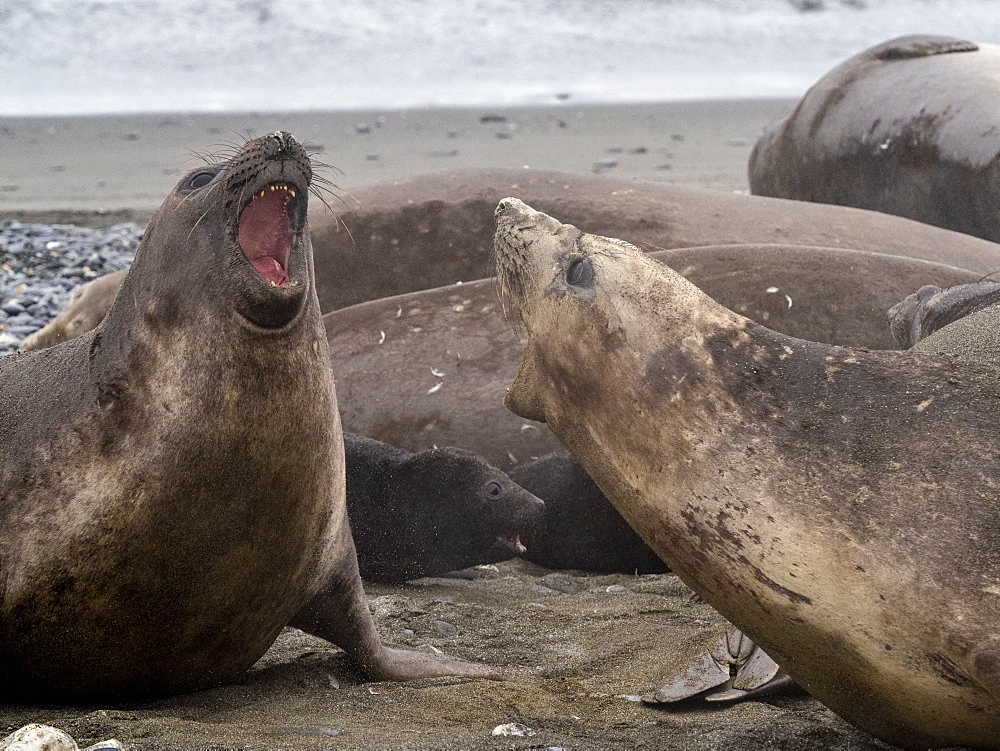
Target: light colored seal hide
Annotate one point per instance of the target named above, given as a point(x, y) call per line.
point(812, 494)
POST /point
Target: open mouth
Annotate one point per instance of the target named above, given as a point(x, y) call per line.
point(511, 542)
point(266, 232)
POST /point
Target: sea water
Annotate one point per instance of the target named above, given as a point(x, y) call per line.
point(118, 56)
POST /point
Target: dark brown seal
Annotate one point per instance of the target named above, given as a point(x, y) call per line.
point(907, 127)
point(172, 483)
point(810, 493)
point(431, 512)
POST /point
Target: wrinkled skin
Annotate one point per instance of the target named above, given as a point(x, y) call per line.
point(811, 494)
point(172, 483)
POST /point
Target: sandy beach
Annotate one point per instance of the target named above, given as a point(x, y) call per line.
point(577, 649)
point(101, 169)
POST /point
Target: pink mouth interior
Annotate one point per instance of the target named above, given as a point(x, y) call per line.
point(515, 542)
point(265, 235)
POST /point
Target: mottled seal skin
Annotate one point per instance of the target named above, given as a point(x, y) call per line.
point(810, 493)
point(908, 127)
point(581, 530)
point(427, 513)
point(431, 368)
point(172, 483)
point(86, 308)
point(435, 230)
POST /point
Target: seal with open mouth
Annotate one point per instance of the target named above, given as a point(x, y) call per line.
point(810, 493)
point(172, 483)
point(427, 513)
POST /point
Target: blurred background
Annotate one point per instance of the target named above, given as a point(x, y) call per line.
point(121, 56)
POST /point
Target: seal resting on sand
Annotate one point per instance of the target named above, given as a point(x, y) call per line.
point(427, 513)
point(172, 483)
point(810, 493)
point(908, 127)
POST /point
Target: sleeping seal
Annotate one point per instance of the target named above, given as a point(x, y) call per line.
point(172, 483)
point(908, 127)
point(810, 493)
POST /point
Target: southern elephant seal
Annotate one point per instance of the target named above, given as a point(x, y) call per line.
point(810, 493)
point(430, 368)
point(908, 127)
point(434, 230)
point(427, 513)
point(172, 483)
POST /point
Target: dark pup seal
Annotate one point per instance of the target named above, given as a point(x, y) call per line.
point(427, 513)
point(908, 127)
point(172, 483)
point(810, 493)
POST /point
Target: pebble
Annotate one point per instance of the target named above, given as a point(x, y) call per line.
point(560, 584)
point(41, 264)
point(444, 628)
point(513, 729)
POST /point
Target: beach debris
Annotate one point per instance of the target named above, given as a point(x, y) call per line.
point(37, 737)
point(438, 373)
point(381, 336)
point(492, 119)
point(515, 729)
point(434, 389)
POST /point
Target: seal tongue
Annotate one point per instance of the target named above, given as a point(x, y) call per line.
point(265, 235)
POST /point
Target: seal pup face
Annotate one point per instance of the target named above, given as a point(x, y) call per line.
point(246, 224)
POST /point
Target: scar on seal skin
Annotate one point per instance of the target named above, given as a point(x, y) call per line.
point(172, 482)
point(812, 494)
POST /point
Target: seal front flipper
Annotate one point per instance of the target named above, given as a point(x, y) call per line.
point(339, 614)
point(737, 665)
point(931, 308)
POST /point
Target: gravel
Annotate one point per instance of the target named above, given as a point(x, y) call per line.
point(41, 265)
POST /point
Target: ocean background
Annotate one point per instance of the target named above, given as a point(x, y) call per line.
point(127, 56)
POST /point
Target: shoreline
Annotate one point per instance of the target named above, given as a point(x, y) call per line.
point(98, 170)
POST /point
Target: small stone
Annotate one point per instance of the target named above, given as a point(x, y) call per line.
point(542, 590)
point(513, 729)
point(615, 588)
point(362, 128)
point(444, 628)
point(108, 745)
point(408, 631)
point(37, 737)
point(560, 584)
point(12, 308)
point(492, 119)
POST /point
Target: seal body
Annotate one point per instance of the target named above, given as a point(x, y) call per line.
point(908, 127)
point(810, 493)
point(436, 230)
point(427, 513)
point(172, 483)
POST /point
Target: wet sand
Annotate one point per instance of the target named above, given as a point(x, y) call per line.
point(116, 167)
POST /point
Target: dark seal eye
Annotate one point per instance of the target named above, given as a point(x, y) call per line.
point(580, 272)
point(201, 179)
point(493, 489)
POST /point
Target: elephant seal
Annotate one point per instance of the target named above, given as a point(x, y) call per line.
point(810, 493)
point(172, 483)
point(908, 127)
point(86, 308)
point(581, 529)
point(435, 230)
point(430, 368)
point(427, 513)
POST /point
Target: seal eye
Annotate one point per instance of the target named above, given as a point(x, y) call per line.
point(201, 179)
point(493, 489)
point(580, 272)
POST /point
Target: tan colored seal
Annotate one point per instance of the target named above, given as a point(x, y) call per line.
point(810, 493)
